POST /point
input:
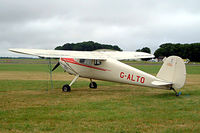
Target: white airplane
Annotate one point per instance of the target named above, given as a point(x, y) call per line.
point(105, 66)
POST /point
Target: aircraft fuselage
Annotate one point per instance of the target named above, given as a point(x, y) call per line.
point(108, 70)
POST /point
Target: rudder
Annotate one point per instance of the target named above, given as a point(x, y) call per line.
point(173, 70)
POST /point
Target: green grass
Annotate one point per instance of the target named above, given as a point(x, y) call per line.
point(27, 67)
point(193, 69)
point(116, 108)
point(21, 85)
point(153, 69)
point(27, 106)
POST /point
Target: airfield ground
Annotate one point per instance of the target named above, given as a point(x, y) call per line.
point(29, 104)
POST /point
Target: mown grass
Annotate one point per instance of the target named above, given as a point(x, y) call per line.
point(27, 106)
point(19, 85)
point(153, 69)
point(27, 67)
point(112, 108)
point(45, 68)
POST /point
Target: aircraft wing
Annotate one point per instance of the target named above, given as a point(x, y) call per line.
point(100, 55)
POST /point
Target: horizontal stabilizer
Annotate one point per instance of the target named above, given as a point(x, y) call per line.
point(161, 83)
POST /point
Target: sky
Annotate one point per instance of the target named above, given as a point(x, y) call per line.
point(130, 24)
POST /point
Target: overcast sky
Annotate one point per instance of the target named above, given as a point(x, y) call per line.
point(131, 24)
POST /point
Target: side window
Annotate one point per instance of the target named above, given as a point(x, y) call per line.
point(97, 62)
point(82, 61)
point(85, 61)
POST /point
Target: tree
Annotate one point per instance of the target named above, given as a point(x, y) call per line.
point(145, 49)
point(87, 46)
point(190, 51)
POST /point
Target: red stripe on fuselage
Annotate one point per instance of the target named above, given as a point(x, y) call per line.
point(71, 60)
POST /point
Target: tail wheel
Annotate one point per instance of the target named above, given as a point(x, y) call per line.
point(66, 88)
point(93, 85)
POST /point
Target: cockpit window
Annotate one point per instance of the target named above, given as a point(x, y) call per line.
point(82, 61)
point(85, 61)
point(97, 62)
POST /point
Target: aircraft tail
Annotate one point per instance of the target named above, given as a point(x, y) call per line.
point(173, 71)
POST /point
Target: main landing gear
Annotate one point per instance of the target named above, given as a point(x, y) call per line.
point(67, 88)
point(92, 85)
point(176, 93)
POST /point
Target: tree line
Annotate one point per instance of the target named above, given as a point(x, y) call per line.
point(190, 51)
point(87, 46)
point(145, 49)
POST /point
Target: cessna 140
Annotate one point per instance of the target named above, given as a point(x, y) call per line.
point(104, 65)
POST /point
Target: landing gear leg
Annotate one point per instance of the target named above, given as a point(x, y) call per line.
point(67, 88)
point(176, 93)
point(93, 85)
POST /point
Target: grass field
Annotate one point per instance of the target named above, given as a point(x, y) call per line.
point(29, 104)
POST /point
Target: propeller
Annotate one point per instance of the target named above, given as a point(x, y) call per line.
point(55, 66)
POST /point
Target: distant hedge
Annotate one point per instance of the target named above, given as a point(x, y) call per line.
point(190, 51)
point(87, 46)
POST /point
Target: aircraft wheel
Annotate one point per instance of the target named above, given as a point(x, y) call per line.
point(93, 85)
point(66, 88)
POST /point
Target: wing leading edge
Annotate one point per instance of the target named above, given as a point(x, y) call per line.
point(100, 55)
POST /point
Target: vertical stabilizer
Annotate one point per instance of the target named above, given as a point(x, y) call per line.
point(173, 70)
